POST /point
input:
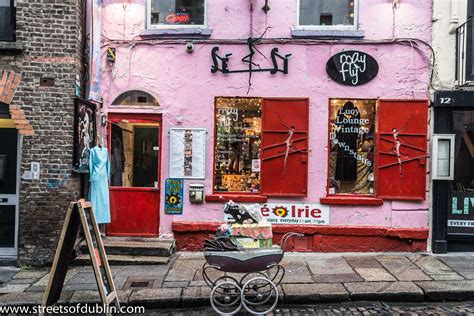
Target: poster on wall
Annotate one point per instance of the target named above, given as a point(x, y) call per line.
point(461, 213)
point(174, 196)
point(187, 158)
point(85, 133)
point(289, 213)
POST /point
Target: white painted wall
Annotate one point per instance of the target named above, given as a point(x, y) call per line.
point(447, 15)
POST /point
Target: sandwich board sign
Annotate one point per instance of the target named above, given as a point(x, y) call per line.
point(80, 214)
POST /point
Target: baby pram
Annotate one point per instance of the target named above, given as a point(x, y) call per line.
point(255, 288)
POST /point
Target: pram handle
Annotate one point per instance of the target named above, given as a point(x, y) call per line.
point(285, 238)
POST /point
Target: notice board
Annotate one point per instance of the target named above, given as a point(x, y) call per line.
point(187, 153)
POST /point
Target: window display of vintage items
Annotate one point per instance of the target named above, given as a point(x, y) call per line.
point(244, 246)
point(80, 215)
point(85, 134)
point(351, 156)
point(238, 129)
point(352, 68)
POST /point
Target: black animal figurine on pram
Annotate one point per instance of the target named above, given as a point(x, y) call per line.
point(261, 271)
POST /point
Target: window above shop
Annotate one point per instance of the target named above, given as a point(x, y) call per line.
point(327, 14)
point(7, 20)
point(135, 98)
point(171, 14)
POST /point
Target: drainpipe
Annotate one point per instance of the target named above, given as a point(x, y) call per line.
point(454, 19)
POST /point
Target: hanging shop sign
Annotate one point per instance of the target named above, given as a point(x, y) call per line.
point(294, 214)
point(352, 68)
point(174, 196)
point(187, 153)
point(461, 213)
point(85, 133)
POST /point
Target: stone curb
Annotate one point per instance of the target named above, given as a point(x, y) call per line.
point(435, 291)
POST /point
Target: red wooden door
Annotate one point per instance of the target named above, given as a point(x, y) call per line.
point(401, 149)
point(134, 146)
point(284, 152)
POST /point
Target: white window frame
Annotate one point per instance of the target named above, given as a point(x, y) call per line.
point(434, 157)
point(328, 27)
point(174, 26)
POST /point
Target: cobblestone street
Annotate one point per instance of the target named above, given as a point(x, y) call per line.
point(350, 308)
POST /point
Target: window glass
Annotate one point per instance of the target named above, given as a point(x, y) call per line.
point(134, 155)
point(238, 131)
point(177, 12)
point(7, 20)
point(461, 198)
point(463, 127)
point(351, 161)
point(326, 12)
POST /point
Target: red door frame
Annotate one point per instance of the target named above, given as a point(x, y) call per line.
point(116, 117)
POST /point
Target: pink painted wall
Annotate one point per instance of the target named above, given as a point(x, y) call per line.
point(185, 87)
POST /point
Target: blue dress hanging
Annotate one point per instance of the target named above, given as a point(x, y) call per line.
point(99, 184)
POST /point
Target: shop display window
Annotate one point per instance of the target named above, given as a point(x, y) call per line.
point(261, 148)
point(351, 156)
point(238, 139)
point(377, 151)
point(328, 13)
point(176, 13)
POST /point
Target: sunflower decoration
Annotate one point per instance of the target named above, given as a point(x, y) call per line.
point(173, 199)
point(280, 211)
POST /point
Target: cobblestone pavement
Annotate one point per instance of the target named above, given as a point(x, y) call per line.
point(350, 308)
point(311, 278)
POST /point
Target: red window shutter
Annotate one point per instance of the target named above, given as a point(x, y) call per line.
point(284, 149)
point(401, 149)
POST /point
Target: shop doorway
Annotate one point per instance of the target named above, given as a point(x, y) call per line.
point(453, 200)
point(9, 187)
point(134, 146)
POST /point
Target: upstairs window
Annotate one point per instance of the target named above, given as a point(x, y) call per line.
point(328, 14)
point(176, 13)
point(7, 20)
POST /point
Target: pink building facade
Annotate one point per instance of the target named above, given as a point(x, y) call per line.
point(370, 194)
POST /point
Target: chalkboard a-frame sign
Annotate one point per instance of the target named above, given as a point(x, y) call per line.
point(80, 214)
point(352, 68)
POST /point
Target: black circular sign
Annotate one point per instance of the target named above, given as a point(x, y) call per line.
point(352, 68)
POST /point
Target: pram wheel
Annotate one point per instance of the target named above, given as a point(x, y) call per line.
point(259, 296)
point(226, 298)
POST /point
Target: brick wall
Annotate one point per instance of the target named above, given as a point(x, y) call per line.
point(51, 34)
